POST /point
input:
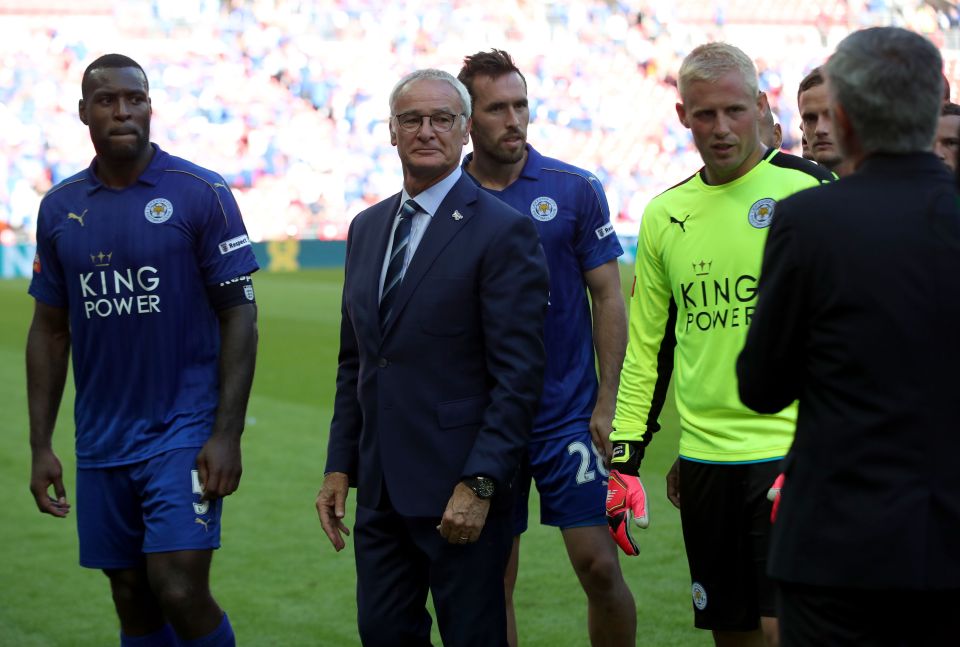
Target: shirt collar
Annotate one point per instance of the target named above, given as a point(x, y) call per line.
point(150, 176)
point(531, 168)
point(533, 165)
point(429, 199)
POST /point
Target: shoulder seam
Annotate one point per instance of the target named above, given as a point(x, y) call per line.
point(585, 176)
point(207, 182)
point(677, 185)
point(64, 184)
point(794, 163)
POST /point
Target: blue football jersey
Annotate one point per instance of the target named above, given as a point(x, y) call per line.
point(132, 266)
point(570, 210)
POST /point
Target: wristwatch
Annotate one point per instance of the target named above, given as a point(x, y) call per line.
point(482, 486)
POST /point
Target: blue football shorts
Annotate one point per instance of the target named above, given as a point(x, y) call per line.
point(571, 480)
point(152, 506)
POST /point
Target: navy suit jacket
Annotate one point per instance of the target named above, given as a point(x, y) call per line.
point(450, 388)
point(857, 316)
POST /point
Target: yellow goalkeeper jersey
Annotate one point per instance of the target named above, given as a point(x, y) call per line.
point(694, 291)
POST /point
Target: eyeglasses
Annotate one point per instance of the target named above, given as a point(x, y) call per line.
point(442, 122)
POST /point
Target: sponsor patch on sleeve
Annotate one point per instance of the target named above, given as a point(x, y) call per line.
point(234, 244)
point(604, 231)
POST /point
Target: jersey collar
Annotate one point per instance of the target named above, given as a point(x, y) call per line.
point(150, 176)
point(531, 168)
point(702, 174)
point(534, 165)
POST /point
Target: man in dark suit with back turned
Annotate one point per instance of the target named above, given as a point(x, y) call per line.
point(859, 299)
point(440, 370)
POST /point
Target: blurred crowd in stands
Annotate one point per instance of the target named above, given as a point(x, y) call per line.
point(288, 99)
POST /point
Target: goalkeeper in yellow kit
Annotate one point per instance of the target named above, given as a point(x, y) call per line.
point(698, 258)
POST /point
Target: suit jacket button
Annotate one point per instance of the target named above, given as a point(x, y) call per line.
point(383, 362)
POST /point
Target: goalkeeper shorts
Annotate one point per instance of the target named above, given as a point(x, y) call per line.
point(726, 529)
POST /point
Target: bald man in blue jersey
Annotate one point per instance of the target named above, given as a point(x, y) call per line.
point(570, 443)
point(143, 268)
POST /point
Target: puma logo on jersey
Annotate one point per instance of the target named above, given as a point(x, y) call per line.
point(204, 522)
point(73, 216)
point(682, 223)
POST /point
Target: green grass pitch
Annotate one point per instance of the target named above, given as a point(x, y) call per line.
point(277, 575)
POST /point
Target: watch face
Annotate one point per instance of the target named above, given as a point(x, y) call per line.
point(483, 487)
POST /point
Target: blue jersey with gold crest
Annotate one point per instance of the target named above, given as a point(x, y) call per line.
point(570, 210)
point(132, 266)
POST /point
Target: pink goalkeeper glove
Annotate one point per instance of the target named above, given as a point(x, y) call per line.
point(626, 502)
point(773, 494)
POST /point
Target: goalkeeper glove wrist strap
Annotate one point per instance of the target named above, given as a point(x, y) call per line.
point(626, 457)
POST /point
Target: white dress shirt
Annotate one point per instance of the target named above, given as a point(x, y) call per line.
point(429, 201)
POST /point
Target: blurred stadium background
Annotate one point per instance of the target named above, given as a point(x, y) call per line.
point(288, 99)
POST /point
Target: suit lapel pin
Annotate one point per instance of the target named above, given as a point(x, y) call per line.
point(457, 215)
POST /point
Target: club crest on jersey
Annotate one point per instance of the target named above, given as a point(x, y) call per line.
point(761, 212)
point(248, 292)
point(158, 211)
point(36, 263)
point(543, 209)
point(699, 596)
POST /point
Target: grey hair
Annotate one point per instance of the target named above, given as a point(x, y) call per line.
point(431, 74)
point(890, 84)
point(711, 61)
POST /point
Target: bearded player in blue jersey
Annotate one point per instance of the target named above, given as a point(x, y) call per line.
point(571, 436)
point(143, 268)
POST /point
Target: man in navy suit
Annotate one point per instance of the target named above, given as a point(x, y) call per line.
point(856, 317)
point(440, 370)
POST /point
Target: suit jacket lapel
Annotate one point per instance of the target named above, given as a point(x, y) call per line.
point(443, 227)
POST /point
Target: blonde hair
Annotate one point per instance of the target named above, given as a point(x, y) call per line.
point(711, 61)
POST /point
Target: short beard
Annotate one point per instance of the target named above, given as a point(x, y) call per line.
point(508, 158)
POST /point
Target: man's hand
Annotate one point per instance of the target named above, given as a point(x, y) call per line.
point(773, 494)
point(466, 513)
point(331, 507)
point(45, 471)
point(626, 503)
point(601, 426)
point(219, 466)
point(673, 484)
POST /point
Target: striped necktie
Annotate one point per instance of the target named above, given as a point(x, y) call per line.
point(391, 283)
